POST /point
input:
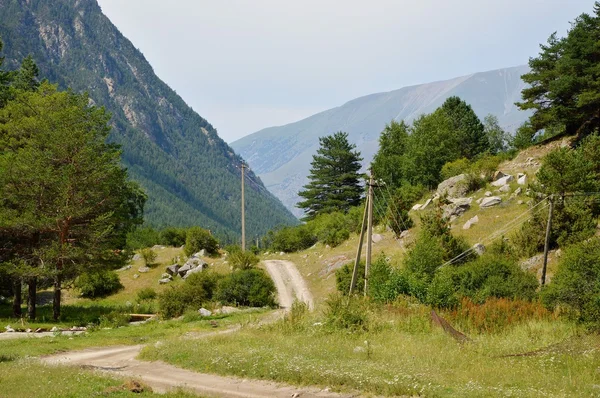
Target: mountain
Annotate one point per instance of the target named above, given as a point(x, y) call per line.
point(192, 177)
point(281, 155)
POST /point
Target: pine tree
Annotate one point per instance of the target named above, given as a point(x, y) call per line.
point(334, 177)
point(466, 126)
point(564, 82)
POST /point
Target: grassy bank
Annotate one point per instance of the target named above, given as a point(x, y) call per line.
point(403, 354)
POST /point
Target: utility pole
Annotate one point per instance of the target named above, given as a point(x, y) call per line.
point(243, 212)
point(369, 232)
point(547, 242)
point(363, 228)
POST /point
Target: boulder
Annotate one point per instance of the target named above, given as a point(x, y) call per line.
point(201, 253)
point(503, 181)
point(376, 238)
point(498, 175)
point(9, 329)
point(491, 201)
point(204, 312)
point(479, 248)
point(520, 202)
point(471, 222)
point(453, 187)
point(416, 207)
point(521, 179)
point(125, 268)
point(54, 329)
point(164, 280)
point(172, 269)
point(165, 275)
point(137, 257)
point(504, 189)
point(457, 207)
point(135, 276)
point(183, 270)
point(518, 191)
point(143, 269)
point(192, 271)
point(488, 194)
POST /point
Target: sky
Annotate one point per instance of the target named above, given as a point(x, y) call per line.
point(245, 65)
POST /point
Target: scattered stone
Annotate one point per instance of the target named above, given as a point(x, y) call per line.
point(504, 189)
point(518, 191)
point(281, 253)
point(457, 207)
point(427, 202)
point(359, 348)
point(55, 329)
point(488, 194)
point(192, 271)
point(404, 234)
point(333, 264)
point(453, 187)
point(376, 238)
point(521, 179)
point(143, 269)
point(165, 275)
point(226, 310)
point(520, 202)
point(327, 247)
point(28, 330)
point(479, 248)
point(125, 268)
point(558, 252)
point(479, 201)
point(204, 312)
point(471, 222)
point(503, 181)
point(157, 247)
point(416, 207)
point(489, 202)
point(531, 263)
point(172, 269)
point(135, 276)
point(9, 329)
point(201, 253)
point(38, 330)
point(164, 280)
point(137, 257)
point(498, 175)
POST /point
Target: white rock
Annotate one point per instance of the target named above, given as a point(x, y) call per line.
point(522, 180)
point(479, 201)
point(164, 280)
point(520, 202)
point(143, 269)
point(518, 191)
point(54, 329)
point(498, 175)
point(479, 248)
point(281, 253)
point(503, 181)
point(471, 222)
point(137, 257)
point(504, 188)
point(376, 238)
point(204, 312)
point(135, 276)
point(491, 201)
point(9, 329)
point(427, 202)
point(488, 193)
point(416, 207)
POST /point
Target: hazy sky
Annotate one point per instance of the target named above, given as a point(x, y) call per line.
point(246, 65)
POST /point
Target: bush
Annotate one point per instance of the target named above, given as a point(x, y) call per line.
point(454, 168)
point(331, 228)
point(171, 236)
point(146, 294)
point(350, 313)
point(148, 255)
point(425, 257)
point(172, 302)
point(198, 239)
point(575, 285)
point(98, 284)
point(243, 260)
point(198, 289)
point(293, 239)
point(250, 287)
point(142, 237)
point(343, 278)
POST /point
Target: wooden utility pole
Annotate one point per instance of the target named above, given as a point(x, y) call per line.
point(363, 228)
point(243, 212)
point(547, 242)
point(369, 233)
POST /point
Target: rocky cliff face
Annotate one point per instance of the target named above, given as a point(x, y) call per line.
point(190, 174)
point(281, 155)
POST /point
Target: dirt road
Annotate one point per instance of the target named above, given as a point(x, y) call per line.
point(161, 376)
point(289, 283)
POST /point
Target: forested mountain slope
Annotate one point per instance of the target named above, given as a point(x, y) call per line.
point(281, 155)
point(192, 177)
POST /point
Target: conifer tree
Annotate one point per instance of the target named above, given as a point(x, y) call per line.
point(389, 160)
point(334, 177)
point(469, 131)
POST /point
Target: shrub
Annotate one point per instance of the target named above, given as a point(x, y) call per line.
point(293, 239)
point(146, 294)
point(425, 257)
point(148, 255)
point(142, 237)
point(485, 167)
point(454, 168)
point(331, 228)
point(171, 236)
point(575, 285)
point(98, 284)
point(250, 287)
point(343, 278)
point(434, 225)
point(243, 260)
point(198, 239)
point(198, 289)
point(350, 313)
point(172, 302)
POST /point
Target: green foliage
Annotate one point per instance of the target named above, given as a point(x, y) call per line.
point(249, 287)
point(198, 239)
point(198, 289)
point(292, 239)
point(435, 226)
point(331, 228)
point(334, 179)
point(425, 257)
point(575, 285)
point(525, 136)
point(172, 236)
point(148, 255)
point(243, 260)
point(467, 129)
point(146, 294)
point(98, 284)
point(347, 313)
point(498, 139)
point(343, 278)
point(142, 237)
point(563, 85)
point(454, 168)
point(388, 161)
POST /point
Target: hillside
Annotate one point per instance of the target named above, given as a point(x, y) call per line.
point(281, 155)
point(190, 174)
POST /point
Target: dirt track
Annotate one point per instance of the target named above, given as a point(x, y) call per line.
point(161, 376)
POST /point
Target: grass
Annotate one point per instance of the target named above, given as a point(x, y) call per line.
point(402, 354)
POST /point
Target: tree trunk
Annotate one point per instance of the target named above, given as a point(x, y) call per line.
point(31, 298)
point(17, 297)
point(56, 301)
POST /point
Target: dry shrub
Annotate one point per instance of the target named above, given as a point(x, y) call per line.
point(496, 314)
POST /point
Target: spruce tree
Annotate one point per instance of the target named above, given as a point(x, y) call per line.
point(334, 177)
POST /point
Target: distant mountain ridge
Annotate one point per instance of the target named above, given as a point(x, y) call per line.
point(190, 174)
point(281, 155)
